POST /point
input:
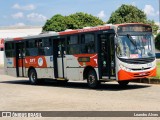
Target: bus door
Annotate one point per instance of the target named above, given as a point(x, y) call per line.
point(106, 56)
point(20, 59)
point(59, 58)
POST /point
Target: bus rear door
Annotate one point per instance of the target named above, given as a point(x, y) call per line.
point(59, 58)
point(106, 56)
point(20, 59)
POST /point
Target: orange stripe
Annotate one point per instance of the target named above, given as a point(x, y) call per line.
point(124, 75)
point(1, 43)
point(84, 30)
point(92, 62)
point(18, 38)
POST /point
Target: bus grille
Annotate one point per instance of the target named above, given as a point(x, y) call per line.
point(138, 61)
point(144, 74)
point(140, 69)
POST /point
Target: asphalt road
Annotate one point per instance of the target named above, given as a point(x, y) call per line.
point(16, 94)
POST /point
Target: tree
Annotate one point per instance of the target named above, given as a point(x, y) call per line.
point(154, 26)
point(81, 20)
point(56, 23)
point(130, 14)
point(74, 21)
point(127, 14)
point(157, 41)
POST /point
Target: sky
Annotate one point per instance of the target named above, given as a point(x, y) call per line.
point(36, 12)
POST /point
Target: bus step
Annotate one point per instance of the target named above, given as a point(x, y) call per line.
point(61, 79)
point(106, 80)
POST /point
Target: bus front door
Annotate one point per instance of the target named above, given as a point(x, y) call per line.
point(106, 56)
point(59, 58)
point(20, 59)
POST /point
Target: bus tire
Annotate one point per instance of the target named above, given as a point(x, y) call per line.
point(92, 79)
point(33, 77)
point(123, 83)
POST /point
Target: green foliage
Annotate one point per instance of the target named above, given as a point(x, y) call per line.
point(131, 14)
point(157, 41)
point(127, 14)
point(56, 23)
point(154, 26)
point(158, 70)
point(81, 20)
point(74, 21)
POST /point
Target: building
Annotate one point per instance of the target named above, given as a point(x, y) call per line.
point(12, 32)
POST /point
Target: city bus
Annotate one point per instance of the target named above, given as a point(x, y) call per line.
point(121, 52)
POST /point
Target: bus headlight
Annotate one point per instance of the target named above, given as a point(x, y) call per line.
point(124, 68)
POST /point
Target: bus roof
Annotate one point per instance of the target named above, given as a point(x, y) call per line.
point(66, 32)
point(69, 31)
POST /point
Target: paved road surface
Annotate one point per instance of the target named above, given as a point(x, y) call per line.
point(19, 95)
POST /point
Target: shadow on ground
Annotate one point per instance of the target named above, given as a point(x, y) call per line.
point(80, 85)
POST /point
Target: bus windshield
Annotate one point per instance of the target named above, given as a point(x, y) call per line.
point(139, 46)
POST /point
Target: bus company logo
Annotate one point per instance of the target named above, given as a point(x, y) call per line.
point(40, 61)
point(9, 62)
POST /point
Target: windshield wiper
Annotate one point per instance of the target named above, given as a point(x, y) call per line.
point(132, 40)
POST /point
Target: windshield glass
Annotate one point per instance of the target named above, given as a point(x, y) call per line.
point(140, 46)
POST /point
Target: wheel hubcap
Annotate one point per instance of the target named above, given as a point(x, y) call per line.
point(91, 79)
point(33, 77)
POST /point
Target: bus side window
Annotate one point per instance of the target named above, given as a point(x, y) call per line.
point(9, 50)
point(31, 48)
point(73, 46)
point(88, 43)
point(45, 47)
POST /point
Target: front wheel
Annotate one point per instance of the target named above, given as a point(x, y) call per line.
point(33, 77)
point(92, 79)
point(123, 83)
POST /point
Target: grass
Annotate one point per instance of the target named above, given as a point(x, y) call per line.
point(1, 66)
point(158, 70)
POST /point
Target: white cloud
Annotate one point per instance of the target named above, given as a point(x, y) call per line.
point(101, 14)
point(26, 7)
point(19, 25)
point(149, 10)
point(157, 13)
point(35, 17)
point(18, 15)
point(133, 3)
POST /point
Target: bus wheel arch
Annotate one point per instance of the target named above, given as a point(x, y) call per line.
point(91, 76)
point(86, 71)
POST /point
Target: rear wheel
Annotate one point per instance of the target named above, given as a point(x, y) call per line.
point(33, 77)
point(123, 83)
point(92, 79)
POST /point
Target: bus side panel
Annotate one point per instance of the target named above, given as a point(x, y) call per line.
point(42, 64)
point(9, 65)
point(77, 63)
point(72, 68)
point(45, 72)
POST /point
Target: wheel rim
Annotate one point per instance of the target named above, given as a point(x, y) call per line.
point(91, 79)
point(33, 77)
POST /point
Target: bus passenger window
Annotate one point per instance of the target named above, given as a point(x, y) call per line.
point(9, 50)
point(88, 43)
point(72, 39)
point(73, 46)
